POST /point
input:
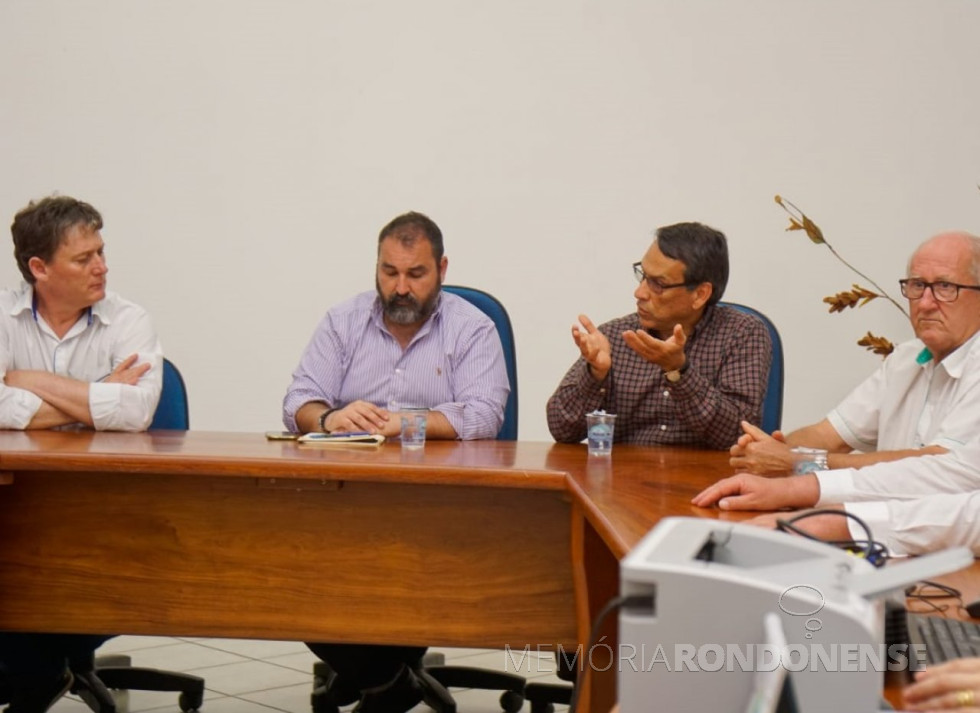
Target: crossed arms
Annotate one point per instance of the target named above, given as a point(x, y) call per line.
point(65, 400)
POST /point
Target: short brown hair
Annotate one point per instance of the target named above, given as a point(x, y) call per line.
point(40, 228)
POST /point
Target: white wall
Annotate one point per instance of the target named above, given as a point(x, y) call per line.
point(245, 155)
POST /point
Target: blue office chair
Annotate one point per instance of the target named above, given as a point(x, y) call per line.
point(436, 678)
point(772, 402)
point(491, 306)
point(172, 412)
point(93, 679)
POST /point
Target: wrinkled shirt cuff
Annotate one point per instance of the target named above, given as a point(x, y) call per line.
point(836, 486)
point(20, 407)
point(104, 402)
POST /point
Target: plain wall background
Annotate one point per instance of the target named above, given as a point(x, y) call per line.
point(245, 154)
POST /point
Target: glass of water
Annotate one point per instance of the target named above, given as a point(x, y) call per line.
point(600, 432)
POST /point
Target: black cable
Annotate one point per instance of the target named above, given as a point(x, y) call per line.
point(943, 591)
point(873, 551)
point(635, 600)
point(925, 591)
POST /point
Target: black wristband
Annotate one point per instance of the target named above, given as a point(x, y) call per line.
point(323, 419)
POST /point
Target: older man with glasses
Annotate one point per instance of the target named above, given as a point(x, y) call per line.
point(925, 398)
point(681, 370)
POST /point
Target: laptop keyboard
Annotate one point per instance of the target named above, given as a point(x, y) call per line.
point(944, 639)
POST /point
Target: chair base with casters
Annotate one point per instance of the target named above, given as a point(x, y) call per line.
point(438, 677)
point(435, 678)
point(544, 696)
point(96, 678)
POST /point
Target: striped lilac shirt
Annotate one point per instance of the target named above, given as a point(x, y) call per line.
point(454, 365)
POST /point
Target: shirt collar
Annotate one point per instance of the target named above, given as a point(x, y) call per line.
point(100, 311)
point(954, 363)
point(27, 302)
point(24, 301)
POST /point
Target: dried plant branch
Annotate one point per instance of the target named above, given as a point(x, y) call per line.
point(878, 345)
point(857, 297)
point(799, 221)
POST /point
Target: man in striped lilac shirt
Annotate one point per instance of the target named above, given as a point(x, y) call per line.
point(407, 343)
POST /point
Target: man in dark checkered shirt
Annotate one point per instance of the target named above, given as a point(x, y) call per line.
point(681, 370)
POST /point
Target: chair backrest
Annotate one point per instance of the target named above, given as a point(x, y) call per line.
point(491, 306)
point(772, 403)
point(172, 412)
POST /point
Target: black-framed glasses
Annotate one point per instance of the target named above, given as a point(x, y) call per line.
point(943, 291)
point(656, 286)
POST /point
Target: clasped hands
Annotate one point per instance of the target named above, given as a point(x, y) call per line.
point(363, 416)
point(758, 452)
point(668, 353)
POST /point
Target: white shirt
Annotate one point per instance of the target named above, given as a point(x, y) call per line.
point(111, 330)
point(954, 472)
point(928, 524)
point(912, 401)
point(913, 505)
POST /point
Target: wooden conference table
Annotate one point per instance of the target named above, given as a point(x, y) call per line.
point(483, 543)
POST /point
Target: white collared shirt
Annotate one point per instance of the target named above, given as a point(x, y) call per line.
point(926, 524)
point(913, 505)
point(912, 401)
point(111, 330)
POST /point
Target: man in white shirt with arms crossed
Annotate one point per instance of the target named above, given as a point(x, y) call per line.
point(71, 356)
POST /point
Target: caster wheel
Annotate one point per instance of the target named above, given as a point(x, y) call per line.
point(190, 702)
point(511, 702)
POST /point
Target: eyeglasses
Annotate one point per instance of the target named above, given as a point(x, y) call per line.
point(656, 286)
point(943, 291)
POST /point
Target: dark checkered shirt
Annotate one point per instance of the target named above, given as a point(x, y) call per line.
point(728, 358)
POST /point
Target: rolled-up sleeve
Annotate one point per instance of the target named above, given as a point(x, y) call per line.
point(904, 479)
point(17, 407)
point(319, 374)
point(480, 384)
point(914, 527)
point(125, 407)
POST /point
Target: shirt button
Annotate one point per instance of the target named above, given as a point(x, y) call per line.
point(663, 427)
point(666, 393)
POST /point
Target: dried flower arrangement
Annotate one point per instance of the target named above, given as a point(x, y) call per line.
point(857, 296)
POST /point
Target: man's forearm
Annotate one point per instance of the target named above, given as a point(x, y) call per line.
point(859, 460)
point(826, 527)
point(437, 426)
point(49, 417)
point(818, 435)
point(308, 416)
point(65, 395)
